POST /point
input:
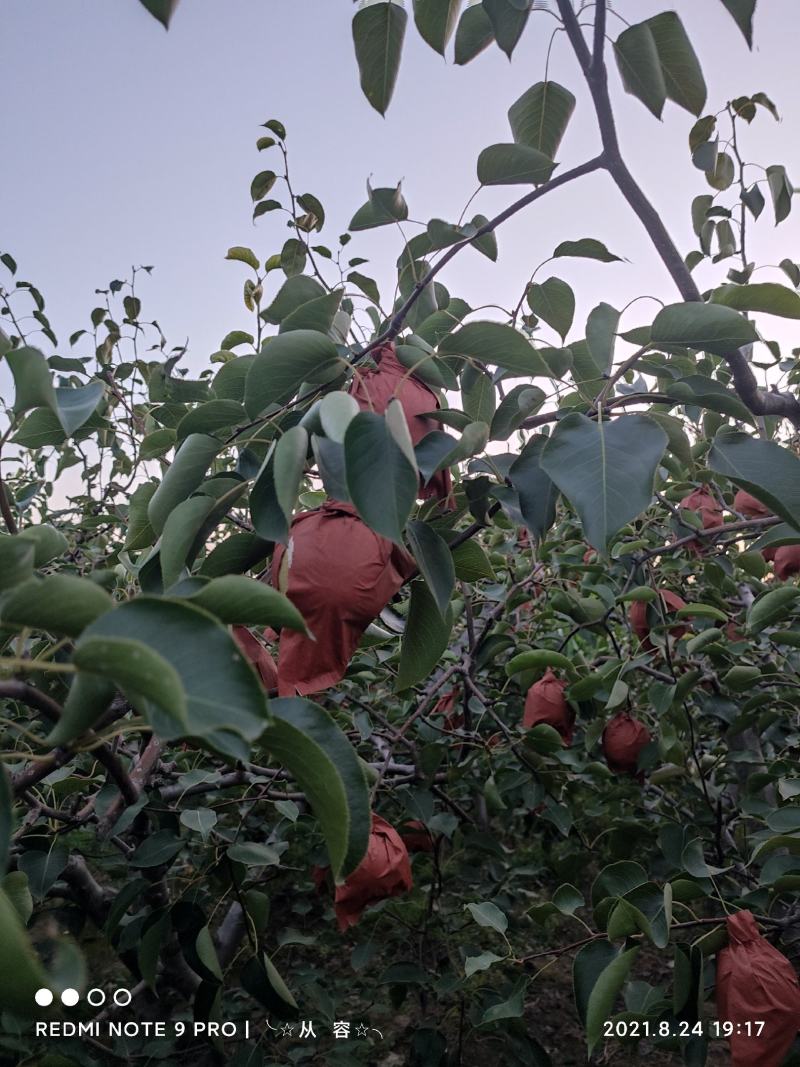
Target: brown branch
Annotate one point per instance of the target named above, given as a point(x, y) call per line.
point(140, 774)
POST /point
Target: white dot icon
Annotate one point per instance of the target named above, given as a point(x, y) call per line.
point(70, 997)
point(43, 997)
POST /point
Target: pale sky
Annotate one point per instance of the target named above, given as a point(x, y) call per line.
point(124, 144)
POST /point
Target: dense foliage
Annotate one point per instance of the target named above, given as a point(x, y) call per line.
point(577, 703)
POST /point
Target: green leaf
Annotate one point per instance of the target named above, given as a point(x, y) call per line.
point(186, 473)
point(384, 207)
point(368, 286)
point(235, 555)
point(236, 599)
point(604, 993)
point(508, 20)
point(293, 257)
point(16, 561)
point(496, 345)
point(336, 412)
point(381, 481)
point(489, 915)
point(158, 443)
point(261, 185)
point(88, 697)
point(243, 255)
point(640, 68)
point(436, 20)
point(768, 297)
point(435, 562)
point(425, 637)
point(179, 536)
point(139, 533)
point(539, 118)
point(683, 77)
point(305, 740)
point(75, 406)
point(21, 974)
point(590, 962)
point(32, 379)
point(474, 33)
point(6, 818)
point(378, 32)
point(710, 327)
point(711, 394)
point(163, 10)
point(601, 328)
point(766, 469)
point(478, 396)
point(207, 418)
point(513, 164)
point(487, 242)
point(471, 563)
point(482, 962)
point(554, 302)
point(225, 703)
point(515, 407)
point(586, 248)
point(781, 190)
point(201, 820)
point(289, 465)
point(263, 982)
point(48, 543)
point(284, 364)
point(512, 1007)
point(292, 294)
point(59, 603)
point(742, 13)
point(16, 889)
point(161, 847)
point(269, 520)
point(605, 469)
point(254, 854)
point(139, 671)
point(771, 607)
point(537, 493)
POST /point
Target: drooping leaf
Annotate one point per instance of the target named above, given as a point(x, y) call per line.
point(474, 32)
point(163, 10)
point(683, 77)
point(537, 493)
point(508, 20)
point(305, 739)
point(640, 68)
point(781, 190)
point(436, 20)
point(435, 562)
point(425, 637)
point(771, 472)
point(378, 32)
point(605, 469)
point(183, 477)
point(604, 993)
point(540, 116)
point(381, 480)
point(513, 164)
point(742, 13)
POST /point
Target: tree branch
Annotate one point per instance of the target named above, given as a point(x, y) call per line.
point(759, 401)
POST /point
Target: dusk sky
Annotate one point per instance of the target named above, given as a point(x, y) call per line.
point(124, 144)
